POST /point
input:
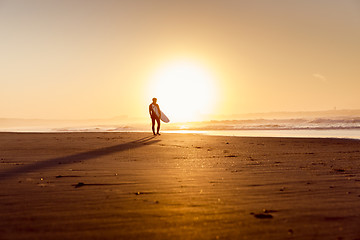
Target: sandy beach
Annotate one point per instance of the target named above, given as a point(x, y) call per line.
point(177, 186)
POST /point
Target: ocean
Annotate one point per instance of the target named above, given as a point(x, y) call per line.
point(339, 127)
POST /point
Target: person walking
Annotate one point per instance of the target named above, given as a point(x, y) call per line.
point(155, 114)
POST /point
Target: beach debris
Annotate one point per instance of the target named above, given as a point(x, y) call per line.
point(290, 231)
point(265, 214)
point(262, 215)
point(340, 170)
point(79, 184)
point(141, 193)
point(231, 156)
point(66, 176)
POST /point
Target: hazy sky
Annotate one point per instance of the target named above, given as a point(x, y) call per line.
point(97, 59)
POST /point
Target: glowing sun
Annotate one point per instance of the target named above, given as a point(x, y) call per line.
point(185, 90)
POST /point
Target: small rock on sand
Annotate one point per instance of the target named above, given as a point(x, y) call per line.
point(262, 215)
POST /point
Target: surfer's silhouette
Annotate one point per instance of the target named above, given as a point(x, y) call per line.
point(155, 115)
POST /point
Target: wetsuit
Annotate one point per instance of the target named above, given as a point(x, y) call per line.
point(154, 118)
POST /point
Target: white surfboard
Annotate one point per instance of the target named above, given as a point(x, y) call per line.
point(163, 117)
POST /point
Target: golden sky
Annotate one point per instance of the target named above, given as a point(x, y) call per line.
point(99, 59)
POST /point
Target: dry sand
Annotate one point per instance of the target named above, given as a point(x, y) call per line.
point(174, 186)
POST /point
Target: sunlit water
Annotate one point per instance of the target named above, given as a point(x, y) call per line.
point(299, 133)
point(333, 133)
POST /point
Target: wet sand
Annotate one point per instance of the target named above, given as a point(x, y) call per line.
point(177, 186)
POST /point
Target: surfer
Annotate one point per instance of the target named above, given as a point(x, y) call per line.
point(155, 115)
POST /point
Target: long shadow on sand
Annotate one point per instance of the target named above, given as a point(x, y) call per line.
point(77, 157)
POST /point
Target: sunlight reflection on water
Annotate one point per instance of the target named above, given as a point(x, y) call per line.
point(333, 133)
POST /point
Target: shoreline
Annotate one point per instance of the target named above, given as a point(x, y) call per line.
point(283, 133)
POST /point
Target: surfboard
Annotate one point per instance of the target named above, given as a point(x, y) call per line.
point(163, 117)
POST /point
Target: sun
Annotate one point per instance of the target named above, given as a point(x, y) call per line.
point(185, 90)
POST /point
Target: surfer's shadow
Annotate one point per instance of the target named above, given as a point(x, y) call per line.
point(79, 157)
